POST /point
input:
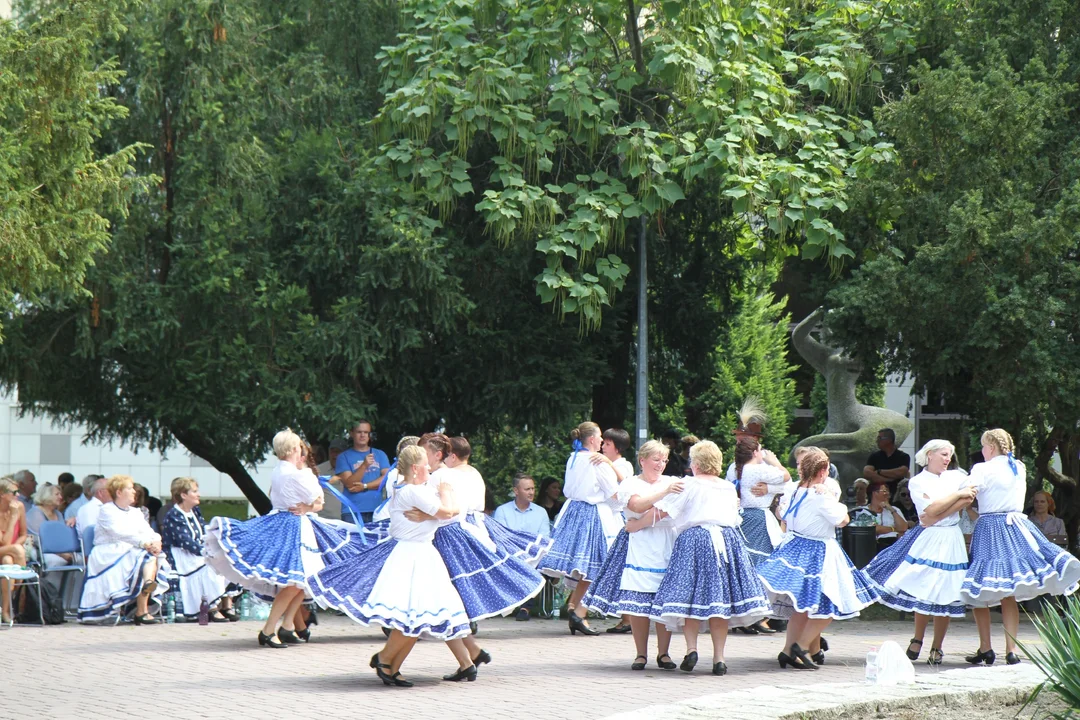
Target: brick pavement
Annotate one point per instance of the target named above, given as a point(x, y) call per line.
point(539, 671)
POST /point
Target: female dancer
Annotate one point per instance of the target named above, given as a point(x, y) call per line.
point(758, 477)
point(638, 560)
point(403, 584)
point(710, 576)
point(809, 576)
point(1011, 561)
point(580, 549)
point(274, 554)
point(923, 571)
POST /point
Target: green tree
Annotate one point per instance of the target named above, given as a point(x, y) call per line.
point(560, 122)
point(57, 191)
point(972, 241)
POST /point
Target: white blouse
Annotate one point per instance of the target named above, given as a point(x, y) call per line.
point(128, 526)
point(813, 514)
point(637, 485)
point(702, 502)
point(1000, 490)
point(422, 497)
point(926, 487)
point(290, 486)
point(752, 474)
point(587, 482)
point(469, 488)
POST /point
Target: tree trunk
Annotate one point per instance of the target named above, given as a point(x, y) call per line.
point(224, 462)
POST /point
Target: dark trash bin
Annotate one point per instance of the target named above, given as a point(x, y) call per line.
point(860, 543)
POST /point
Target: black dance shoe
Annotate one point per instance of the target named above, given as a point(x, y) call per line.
point(619, 629)
point(270, 641)
point(288, 637)
point(147, 619)
point(689, 661)
point(665, 664)
point(987, 657)
point(473, 628)
point(800, 659)
point(482, 658)
point(762, 628)
point(719, 668)
point(913, 654)
point(818, 657)
point(577, 625)
point(1011, 659)
point(468, 674)
point(936, 656)
point(304, 634)
point(639, 665)
point(399, 681)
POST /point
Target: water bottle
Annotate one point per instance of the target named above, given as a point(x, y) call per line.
point(204, 613)
point(871, 666)
point(170, 608)
point(245, 606)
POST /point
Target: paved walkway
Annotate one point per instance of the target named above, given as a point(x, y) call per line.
point(539, 672)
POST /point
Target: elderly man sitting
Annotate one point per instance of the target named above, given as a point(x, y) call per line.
point(88, 513)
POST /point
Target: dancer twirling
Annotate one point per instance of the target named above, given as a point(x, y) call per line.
point(710, 577)
point(923, 571)
point(809, 577)
point(273, 555)
point(403, 584)
point(579, 548)
point(758, 478)
point(638, 559)
point(1011, 561)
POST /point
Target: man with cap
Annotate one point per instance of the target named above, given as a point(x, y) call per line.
point(331, 505)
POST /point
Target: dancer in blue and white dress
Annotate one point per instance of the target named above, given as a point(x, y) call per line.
point(922, 572)
point(638, 560)
point(274, 554)
point(1011, 561)
point(403, 584)
point(809, 577)
point(758, 478)
point(580, 548)
point(183, 533)
point(490, 581)
point(710, 576)
point(127, 565)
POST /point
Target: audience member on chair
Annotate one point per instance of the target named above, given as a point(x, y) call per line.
point(13, 535)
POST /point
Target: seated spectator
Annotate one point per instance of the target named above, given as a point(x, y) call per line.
point(550, 497)
point(72, 510)
point(126, 565)
point(889, 464)
point(140, 502)
point(888, 520)
point(523, 515)
point(64, 479)
point(68, 495)
point(47, 508)
point(902, 502)
point(1042, 516)
point(13, 537)
point(88, 513)
point(182, 533)
point(27, 484)
point(331, 505)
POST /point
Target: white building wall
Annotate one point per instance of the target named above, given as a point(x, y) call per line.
point(47, 448)
point(898, 399)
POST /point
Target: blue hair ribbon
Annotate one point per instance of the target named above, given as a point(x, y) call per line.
point(578, 447)
point(1012, 463)
point(346, 502)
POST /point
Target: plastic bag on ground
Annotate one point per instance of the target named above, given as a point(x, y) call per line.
point(893, 667)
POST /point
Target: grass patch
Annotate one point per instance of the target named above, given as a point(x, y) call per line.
point(236, 509)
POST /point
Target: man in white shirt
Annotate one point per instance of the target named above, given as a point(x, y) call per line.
point(523, 515)
point(27, 487)
point(72, 511)
point(88, 513)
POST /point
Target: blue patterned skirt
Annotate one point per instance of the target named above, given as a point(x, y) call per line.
point(758, 543)
point(402, 585)
point(1004, 563)
point(490, 582)
point(524, 546)
point(921, 572)
point(815, 576)
point(580, 547)
point(605, 594)
point(376, 531)
point(700, 584)
point(277, 550)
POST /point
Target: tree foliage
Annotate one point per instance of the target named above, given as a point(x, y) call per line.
point(561, 121)
point(57, 191)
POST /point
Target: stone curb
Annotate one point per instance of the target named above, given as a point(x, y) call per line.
point(962, 687)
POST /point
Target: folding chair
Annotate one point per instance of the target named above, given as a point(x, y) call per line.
point(27, 577)
point(54, 536)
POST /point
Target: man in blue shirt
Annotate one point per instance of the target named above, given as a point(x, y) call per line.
point(362, 470)
point(523, 515)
